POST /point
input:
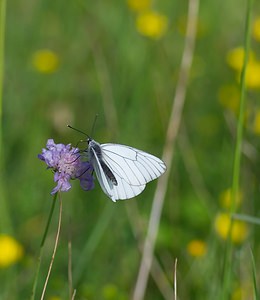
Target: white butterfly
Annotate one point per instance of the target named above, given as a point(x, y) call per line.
point(123, 171)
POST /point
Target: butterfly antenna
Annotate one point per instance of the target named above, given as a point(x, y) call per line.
point(78, 131)
point(94, 123)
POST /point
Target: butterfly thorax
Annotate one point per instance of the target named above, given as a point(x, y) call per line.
point(94, 146)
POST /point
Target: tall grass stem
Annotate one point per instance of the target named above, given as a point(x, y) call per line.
point(41, 247)
point(255, 293)
point(172, 132)
point(227, 271)
point(2, 48)
point(5, 219)
point(54, 250)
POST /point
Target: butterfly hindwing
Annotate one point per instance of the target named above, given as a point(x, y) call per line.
point(105, 184)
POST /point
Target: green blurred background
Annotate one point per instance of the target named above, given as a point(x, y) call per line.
point(65, 62)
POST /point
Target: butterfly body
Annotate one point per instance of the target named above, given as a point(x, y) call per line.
point(121, 170)
point(95, 152)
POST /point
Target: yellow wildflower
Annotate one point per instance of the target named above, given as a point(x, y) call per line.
point(225, 198)
point(253, 75)
point(235, 58)
point(54, 298)
point(229, 97)
point(152, 24)
point(45, 61)
point(139, 5)
point(197, 248)
point(10, 251)
point(239, 229)
point(110, 291)
point(242, 291)
point(256, 29)
point(237, 294)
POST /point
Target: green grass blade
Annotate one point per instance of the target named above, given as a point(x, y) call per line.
point(2, 46)
point(5, 220)
point(41, 248)
point(256, 294)
point(246, 218)
point(227, 271)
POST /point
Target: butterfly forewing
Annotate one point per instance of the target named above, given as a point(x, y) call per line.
point(135, 166)
point(106, 185)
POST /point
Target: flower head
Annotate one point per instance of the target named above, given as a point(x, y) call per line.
point(197, 248)
point(256, 29)
point(253, 75)
point(67, 164)
point(226, 198)
point(139, 5)
point(10, 251)
point(235, 58)
point(152, 24)
point(239, 230)
point(45, 61)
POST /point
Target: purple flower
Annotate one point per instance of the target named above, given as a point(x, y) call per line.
point(66, 162)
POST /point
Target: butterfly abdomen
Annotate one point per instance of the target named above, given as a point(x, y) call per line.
point(108, 172)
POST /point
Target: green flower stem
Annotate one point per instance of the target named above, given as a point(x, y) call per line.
point(41, 247)
point(5, 220)
point(2, 42)
point(237, 156)
point(256, 293)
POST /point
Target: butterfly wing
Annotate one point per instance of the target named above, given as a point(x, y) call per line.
point(122, 190)
point(105, 183)
point(132, 169)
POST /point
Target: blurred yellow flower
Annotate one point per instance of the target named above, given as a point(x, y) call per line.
point(229, 97)
point(242, 291)
point(45, 61)
point(237, 294)
point(139, 5)
point(54, 298)
point(225, 198)
point(235, 58)
point(256, 29)
point(256, 124)
point(239, 229)
point(152, 24)
point(197, 248)
point(10, 251)
point(111, 292)
point(253, 75)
